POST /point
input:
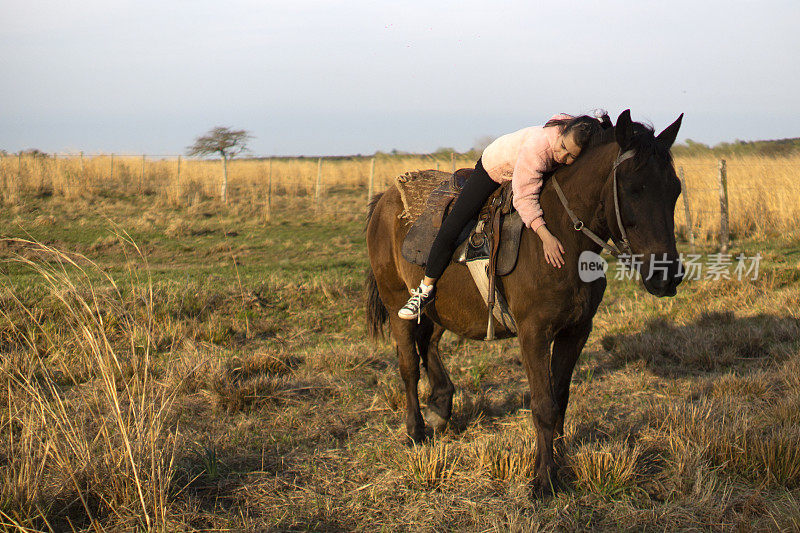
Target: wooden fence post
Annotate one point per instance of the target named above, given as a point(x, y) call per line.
point(269, 193)
point(453, 160)
point(371, 185)
point(687, 209)
point(224, 191)
point(141, 176)
point(112, 167)
point(723, 207)
point(179, 168)
point(318, 192)
point(55, 170)
point(42, 164)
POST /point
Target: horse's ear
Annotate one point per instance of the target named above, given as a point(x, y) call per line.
point(667, 137)
point(623, 130)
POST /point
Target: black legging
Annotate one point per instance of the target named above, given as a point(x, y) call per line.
point(477, 189)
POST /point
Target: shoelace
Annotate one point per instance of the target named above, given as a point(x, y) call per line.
point(416, 299)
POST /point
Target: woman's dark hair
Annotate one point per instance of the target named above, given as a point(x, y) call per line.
point(582, 127)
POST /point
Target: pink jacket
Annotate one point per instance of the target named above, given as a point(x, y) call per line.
point(522, 157)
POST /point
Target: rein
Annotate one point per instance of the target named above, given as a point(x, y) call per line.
point(624, 248)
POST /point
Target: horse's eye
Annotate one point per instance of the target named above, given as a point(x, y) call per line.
point(637, 189)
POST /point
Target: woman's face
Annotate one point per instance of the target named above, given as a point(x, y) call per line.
point(566, 150)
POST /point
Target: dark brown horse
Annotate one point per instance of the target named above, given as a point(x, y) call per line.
point(551, 307)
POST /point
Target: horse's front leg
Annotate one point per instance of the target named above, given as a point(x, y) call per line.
point(567, 347)
point(403, 334)
point(544, 407)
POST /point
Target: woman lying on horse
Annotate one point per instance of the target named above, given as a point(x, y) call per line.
point(623, 187)
point(523, 157)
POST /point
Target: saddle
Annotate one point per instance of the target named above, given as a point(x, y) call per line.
point(488, 246)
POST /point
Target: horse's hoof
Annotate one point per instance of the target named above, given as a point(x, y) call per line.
point(434, 420)
point(542, 488)
point(416, 437)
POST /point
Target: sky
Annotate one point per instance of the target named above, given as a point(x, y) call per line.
point(333, 78)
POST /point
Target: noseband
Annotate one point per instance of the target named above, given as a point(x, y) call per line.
point(615, 249)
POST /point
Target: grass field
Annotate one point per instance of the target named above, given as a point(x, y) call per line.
point(762, 191)
point(179, 365)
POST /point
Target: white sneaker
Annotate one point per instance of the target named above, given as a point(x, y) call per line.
point(419, 299)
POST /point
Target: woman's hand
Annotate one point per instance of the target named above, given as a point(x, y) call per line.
point(552, 247)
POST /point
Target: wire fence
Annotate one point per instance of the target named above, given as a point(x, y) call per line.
point(720, 199)
point(182, 179)
point(723, 199)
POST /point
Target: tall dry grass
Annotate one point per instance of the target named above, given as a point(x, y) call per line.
point(763, 191)
point(763, 195)
point(180, 180)
point(84, 425)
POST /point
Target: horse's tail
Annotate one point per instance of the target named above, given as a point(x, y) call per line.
point(371, 207)
point(377, 315)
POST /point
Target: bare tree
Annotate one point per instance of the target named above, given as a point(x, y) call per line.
point(224, 141)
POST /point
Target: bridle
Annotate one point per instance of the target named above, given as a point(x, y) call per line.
point(616, 249)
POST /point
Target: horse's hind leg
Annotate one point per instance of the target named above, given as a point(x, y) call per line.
point(404, 337)
point(440, 402)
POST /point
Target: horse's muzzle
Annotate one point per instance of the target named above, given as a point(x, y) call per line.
point(664, 281)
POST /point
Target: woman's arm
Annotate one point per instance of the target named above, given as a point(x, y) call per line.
point(551, 246)
point(526, 183)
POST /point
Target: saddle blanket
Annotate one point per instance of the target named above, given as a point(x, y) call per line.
point(427, 196)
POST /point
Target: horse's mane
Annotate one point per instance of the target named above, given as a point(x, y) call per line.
point(643, 143)
point(603, 137)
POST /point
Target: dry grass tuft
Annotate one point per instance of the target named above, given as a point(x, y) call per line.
point(248, 382)
point(737, 441)
point(791, 373)
point(757, 386)
point(509, 457)
point(178, 228)
point(390, 394)
point(244, 394)
point(775, 455)
point(714, 341)
point(429, 466)
point(785, 411)
point(263, 362)
point(608, 469)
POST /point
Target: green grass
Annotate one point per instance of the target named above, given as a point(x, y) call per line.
point(284, 416)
